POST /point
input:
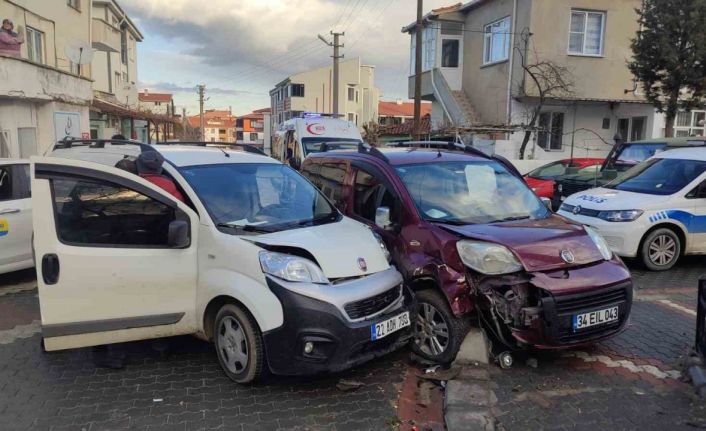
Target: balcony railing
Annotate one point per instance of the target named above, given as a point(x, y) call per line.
point(31, 81)
point(105, 36)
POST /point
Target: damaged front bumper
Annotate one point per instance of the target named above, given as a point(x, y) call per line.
point(540, 309)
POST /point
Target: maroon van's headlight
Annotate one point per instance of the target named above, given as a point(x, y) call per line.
point(487, 258)
point(601, 245)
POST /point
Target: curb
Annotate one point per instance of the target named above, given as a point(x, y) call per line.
point(469, 399)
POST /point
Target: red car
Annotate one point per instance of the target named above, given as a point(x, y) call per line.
point(541, 180)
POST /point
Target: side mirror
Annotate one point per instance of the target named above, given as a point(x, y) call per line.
point(382, 218)
point(547, 202)
point(178, 235)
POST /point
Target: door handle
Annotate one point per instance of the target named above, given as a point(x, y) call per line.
point(9, 211)
point(50, 268)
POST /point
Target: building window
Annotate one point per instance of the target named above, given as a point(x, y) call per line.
point(496, 41)
point(297, 90)
point(222, 131)
point(586, 33)
point(239, 135)
point(125, 78)
point(123, 46)
point(449, 52)
point(351, 94)
point(428, 48)
point(35, 45)
point(253, 137)
point(690, 123)
point(551, 132)
point(76, 4)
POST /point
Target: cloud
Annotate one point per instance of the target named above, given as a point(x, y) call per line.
point(171, 87)
point(252, 45)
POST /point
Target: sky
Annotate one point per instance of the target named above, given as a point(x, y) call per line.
point(240, 49)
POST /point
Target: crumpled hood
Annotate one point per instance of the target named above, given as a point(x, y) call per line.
point(537, 243)
point(609, 199)
point(335, 246)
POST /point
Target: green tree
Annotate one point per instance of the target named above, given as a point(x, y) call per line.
point(669, 55)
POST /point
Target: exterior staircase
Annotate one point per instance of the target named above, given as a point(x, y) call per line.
point(458, 108)
point(469, 112)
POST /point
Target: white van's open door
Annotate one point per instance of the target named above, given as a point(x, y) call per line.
point(116, 256)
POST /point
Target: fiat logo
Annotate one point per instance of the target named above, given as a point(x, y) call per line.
point(567, 256)
point(576, 210)
point(362, 265)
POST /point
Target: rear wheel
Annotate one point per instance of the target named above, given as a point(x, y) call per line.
point(438, 334)
point(660, 249)
point(238, 343)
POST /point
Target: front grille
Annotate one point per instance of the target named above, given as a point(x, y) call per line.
point(589, 300)
point(583, 211)
point(374, 304)
point(560, 309)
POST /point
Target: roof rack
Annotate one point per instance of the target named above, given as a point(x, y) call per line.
point(338, 145)
point(100, 143)
point(372, 151)
point(246, 147)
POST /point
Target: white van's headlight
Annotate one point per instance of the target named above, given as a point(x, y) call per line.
point(385, 251)
point(291, 268)
point(618, 216)
point(600, 243)
point(487, 258)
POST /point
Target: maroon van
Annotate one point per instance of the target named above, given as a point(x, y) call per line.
point(469, 236)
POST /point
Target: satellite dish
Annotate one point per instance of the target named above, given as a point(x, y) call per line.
point(79, 52)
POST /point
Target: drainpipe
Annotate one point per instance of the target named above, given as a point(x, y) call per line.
point(512, 57)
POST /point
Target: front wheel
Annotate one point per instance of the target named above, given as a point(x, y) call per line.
point(660, 249)
point(238, 343)
point(438, 334)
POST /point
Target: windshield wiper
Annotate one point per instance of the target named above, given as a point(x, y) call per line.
point(514, 218)
point(246, 228)
point(453, 222)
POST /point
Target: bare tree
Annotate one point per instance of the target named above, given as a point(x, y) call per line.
point(548, 79)
point(371, 133)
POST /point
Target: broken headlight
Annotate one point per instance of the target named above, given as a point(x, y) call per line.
point(487, 258)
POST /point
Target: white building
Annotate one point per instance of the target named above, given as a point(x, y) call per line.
point(44, 96)
point(311, 91)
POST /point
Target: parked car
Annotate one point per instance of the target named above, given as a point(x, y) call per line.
point(542, 179)
point(655, 211)
point(470, 236)
point(15, 216)
point(255, 260)
point(621, 158)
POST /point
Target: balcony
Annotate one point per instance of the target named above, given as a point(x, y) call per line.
point(427, 88)
point(23, 79)
point(105, 36)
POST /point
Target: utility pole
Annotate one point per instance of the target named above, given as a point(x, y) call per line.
point(336, 57)
point(418, 73)
point(183, 124)
point(202, 89)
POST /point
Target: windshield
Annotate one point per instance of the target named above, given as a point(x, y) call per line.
point(258, 197)
point(313, 145)
point(632, 154)
point(659, 176)
point(470, 192)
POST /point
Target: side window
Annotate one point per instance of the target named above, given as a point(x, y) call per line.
point(5, 183)
point(699, 191)
point(100, 213)
point(369, 194)
point(331, 176)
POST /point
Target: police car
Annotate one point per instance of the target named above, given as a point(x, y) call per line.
point(655, 211)
point(15, 216)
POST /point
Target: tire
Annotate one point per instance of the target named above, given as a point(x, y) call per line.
point(238, 343)
point(432, 305)
point(660, 249)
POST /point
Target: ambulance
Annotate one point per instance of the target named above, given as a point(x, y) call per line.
point(313, 133)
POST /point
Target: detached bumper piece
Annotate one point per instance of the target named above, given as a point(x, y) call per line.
point(559, 312)
point(317, 338)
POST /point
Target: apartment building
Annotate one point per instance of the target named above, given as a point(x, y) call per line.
point(115, 108)
point(398, 112)
point(44, 95)
point(250, 128)
point(473, 75)
point(311, 91)
point(156, 103)
point(219, 125)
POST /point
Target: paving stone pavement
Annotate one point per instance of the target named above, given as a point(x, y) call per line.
point(182, 390)
point(564, 393)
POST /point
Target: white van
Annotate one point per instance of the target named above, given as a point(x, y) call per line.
point(312, 133)
point(254, 259)
point(655, 211)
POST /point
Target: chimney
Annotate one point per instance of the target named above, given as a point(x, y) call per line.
point(146, 92)
point(398, 101)
point(230, 110)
